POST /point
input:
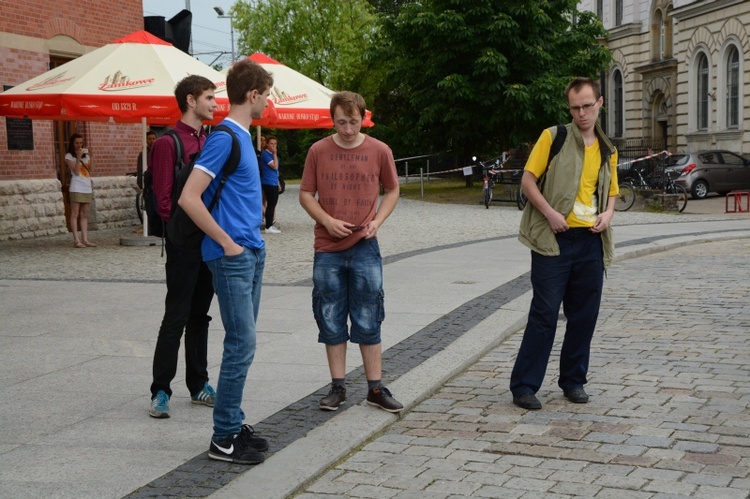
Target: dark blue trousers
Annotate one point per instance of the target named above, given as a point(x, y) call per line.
point(574, 279)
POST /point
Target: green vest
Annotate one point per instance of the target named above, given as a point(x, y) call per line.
point(559, 185)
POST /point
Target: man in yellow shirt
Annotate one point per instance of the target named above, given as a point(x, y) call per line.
point(566, 224)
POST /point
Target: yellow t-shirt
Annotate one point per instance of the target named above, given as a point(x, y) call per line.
point(585, 209)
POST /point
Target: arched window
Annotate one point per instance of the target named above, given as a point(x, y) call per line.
point(662, 38)
point(702, 93)
point(618, 101)
point(733, 88)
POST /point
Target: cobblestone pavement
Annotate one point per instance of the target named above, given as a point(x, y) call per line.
point(413, 226)
point(669, 414)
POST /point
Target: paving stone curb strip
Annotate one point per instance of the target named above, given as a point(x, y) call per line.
point(450, 372)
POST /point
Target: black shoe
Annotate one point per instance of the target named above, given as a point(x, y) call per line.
point(528, 401)
point(235, 449)
point(381, 397)
point(334, 399)
point(248, 434)
point(577, 395)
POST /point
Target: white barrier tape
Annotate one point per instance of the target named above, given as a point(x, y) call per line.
point(629, 163)
point(461, 169)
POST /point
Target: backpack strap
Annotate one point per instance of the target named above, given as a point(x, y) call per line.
point(557, 142)
point(233, 161)
point(179, 162)
point(560, 135)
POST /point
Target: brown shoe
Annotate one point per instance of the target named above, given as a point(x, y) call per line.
point(334, 399)
point(381, 397)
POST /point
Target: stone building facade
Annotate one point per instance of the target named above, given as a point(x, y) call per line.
point(36, 35)
point(680, 75)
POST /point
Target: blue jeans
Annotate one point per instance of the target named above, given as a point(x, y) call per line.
point(237, 281)
point(575, 278)
point(349, 284)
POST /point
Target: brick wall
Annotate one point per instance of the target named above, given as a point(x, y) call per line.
point(29, 187)
point(91, 22)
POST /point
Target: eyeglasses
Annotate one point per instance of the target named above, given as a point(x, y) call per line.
point(585, 107)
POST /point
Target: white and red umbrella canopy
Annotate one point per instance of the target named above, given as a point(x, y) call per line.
point(296, 101)
point(128, 80)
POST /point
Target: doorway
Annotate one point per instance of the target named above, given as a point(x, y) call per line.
point(62, 132)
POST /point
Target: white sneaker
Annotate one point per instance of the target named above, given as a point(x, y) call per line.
point(272, 230)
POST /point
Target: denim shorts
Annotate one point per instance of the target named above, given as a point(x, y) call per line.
point(348, 285)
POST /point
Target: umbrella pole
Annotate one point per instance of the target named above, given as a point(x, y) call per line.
point(145, 167)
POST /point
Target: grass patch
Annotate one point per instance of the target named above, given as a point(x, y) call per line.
point(443, 191)
point(454, 191)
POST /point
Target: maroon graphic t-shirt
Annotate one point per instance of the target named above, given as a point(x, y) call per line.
point(348, 185)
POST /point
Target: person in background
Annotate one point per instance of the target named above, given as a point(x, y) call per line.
point(340, 190)
point(150, 139)
point(566, 224)
point(189, 288)
point(258, 152)
point(269, 178)
point(81, 190)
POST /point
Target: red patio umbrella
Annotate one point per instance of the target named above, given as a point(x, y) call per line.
point(128, 80)
point(296, 101)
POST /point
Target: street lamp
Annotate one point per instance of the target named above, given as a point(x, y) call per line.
point(221, 15)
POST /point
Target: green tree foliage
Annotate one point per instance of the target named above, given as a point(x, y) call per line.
point(323, 39)
point(480, 76)
point(326, 40)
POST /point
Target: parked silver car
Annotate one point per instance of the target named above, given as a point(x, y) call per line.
point(710, 171)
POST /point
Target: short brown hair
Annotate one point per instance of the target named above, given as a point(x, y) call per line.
point(349, 102)
point(193, 85)
point(245, 76)
point(580, 82)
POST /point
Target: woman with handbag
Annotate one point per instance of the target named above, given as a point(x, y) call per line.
point(81, 189)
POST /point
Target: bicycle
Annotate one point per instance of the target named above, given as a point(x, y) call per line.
point(489, 176)
point(671, 187)
point(660, 179)
point(140, 202)
point(521, 198)
point(626, 198)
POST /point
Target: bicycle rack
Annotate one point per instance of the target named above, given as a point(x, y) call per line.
point(738, 197)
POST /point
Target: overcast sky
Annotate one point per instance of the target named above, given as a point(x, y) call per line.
point(210, 33)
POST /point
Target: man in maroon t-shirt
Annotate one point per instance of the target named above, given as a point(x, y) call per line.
point(189, 288)
point(346, 171)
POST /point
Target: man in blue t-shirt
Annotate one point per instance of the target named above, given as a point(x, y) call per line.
point(235, 253)
point(269, 179)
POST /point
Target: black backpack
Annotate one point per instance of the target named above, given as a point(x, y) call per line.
point(180, 229)
point(155, 223)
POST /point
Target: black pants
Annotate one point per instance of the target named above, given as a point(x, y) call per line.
point(272, 198)
point(574, 279)
point(189, 295)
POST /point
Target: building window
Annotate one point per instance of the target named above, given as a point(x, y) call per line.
point(662, 39)
point(702, 94)
point(733, 88)
point(618, 12)
point(618, 99)
point(600, 9)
